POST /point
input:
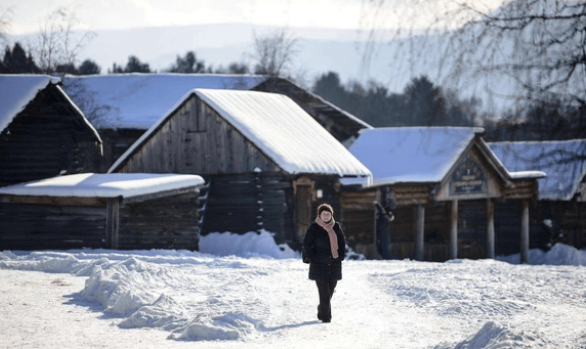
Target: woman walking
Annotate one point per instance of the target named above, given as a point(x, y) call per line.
point(324, 248)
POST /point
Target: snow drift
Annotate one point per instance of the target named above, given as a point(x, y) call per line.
point(264, 298)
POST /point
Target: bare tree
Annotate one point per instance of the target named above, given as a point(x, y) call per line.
point(5, 25)
point(56, 43)
point(274, 53)
point(537, 45)
point(99, 115)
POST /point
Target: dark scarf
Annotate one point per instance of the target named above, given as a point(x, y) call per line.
point(329, 227)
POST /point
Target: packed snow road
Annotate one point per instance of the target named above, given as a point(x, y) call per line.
point(176, 299)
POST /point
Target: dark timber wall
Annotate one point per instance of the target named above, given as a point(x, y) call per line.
point(168, 223)
point(47, 137)
point(115, 143)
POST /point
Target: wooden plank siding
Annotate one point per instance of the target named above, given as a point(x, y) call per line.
point(197, 140)
point(46, 138)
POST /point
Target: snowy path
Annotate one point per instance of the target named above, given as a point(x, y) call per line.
point(170, 299)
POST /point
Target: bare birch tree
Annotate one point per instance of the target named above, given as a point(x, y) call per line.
point(274, 53)
point(5, 25)
point(537, 45)
point(56, 42)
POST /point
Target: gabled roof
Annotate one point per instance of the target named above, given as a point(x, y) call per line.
point(276, 125)
point(93, 185)
point(416, 154)
point(139, 100)
point(338, 121)
point(16, 91)
point(564, 163)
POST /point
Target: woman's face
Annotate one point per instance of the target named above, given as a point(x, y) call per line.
point(326, 216)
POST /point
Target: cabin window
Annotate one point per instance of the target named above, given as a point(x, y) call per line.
point(319, 193)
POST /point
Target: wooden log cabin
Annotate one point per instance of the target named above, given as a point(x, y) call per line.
point(268, 162)
point(560, 213)
point(126, 105)
point(115, 211)
point(42, 132)
point(445, 187)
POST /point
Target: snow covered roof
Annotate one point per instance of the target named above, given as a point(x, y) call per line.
point(92, 185)
point(411, 154)
point(279, 127)
point(16, 91)
point(139, 100)
point(562, 161)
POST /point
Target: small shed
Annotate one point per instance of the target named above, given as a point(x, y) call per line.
point(42, 132)
point(117, 211)
point(442, 184)
point(560, 213)
point(269, 162)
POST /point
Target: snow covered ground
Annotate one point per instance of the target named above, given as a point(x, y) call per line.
point(246, 292)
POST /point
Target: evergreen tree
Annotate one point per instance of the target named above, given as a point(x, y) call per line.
point(89, 67)
point(238, 69)
point(188, 64)
point(67, 68)
point(329, 87)
point(18, 62)
point(116, 69)
point(424, 103)
point(134, 65)
point(421, 104)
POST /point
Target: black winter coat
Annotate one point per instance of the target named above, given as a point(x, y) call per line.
point(316, 248)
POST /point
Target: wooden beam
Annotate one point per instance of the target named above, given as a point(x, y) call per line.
point(489, 228)
point(160, 194)
point(419, 226)
point(53, 200)
point(112, 222)
point(454, 231)
point(524, 231)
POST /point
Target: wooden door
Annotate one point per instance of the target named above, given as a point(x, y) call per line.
point(303, 209)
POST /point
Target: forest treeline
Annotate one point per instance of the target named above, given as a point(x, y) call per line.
point(421, 103)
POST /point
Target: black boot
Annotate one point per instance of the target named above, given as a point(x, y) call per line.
point(326, 315)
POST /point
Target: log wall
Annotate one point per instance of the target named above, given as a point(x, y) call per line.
point(46, 138)
point(43, 227)
point(250, 202)
point(358, 220)
point(167, 223)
